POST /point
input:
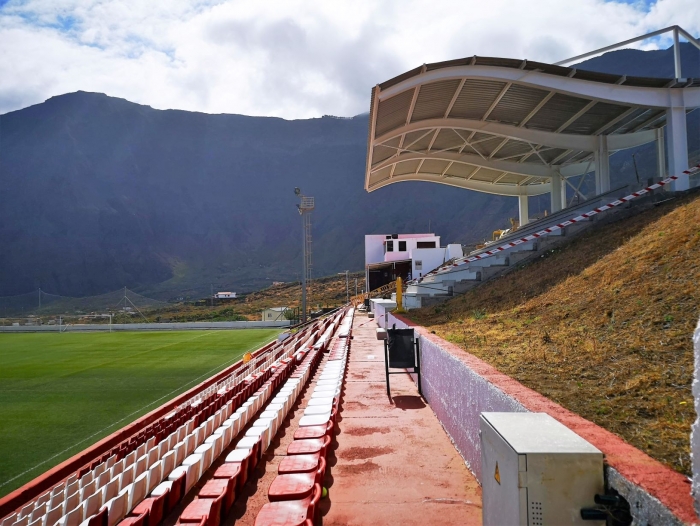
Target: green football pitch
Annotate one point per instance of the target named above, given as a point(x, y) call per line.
point(60, 393)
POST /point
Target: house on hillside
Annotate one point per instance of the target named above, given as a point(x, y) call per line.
point(225, 295)
point(274, 314)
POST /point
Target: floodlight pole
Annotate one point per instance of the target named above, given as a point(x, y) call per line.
point(305, 208)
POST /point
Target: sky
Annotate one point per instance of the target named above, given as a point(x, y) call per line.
point(290, 58)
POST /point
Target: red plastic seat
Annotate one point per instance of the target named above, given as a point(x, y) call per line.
point(99, 519)
point(309, 445)
point(299, 464)
point(215, 488)
point(294, 486)
point(199, 509)
point(134, 521)
point(290, 512)
point(313, 431)
point(153, 508)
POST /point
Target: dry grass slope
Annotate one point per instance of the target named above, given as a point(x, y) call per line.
point(602, 326)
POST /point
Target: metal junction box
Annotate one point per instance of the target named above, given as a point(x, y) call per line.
point(536, 471)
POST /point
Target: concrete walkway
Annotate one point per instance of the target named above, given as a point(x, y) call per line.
point(393, 462)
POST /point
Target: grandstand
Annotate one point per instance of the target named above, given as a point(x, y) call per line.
point(302, 431)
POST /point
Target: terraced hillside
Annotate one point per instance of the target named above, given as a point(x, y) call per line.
point(602, 326)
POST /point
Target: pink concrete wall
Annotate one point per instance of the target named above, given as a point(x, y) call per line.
point(458, 386)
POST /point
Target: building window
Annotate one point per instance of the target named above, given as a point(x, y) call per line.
point(389, 246)
point(402, 246)
point(426, 244)
point(419, 265)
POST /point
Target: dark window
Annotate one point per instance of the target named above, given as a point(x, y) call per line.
point(389, 246)
point(426, 244)
point(402, 246)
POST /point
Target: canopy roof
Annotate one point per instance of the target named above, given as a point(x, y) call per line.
point(508, 126)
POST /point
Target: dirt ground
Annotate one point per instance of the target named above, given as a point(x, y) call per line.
point(602, 326)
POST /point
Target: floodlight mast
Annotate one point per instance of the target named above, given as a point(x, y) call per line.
point(305, 208)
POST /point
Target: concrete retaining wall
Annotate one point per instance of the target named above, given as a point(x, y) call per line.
point(695, 434)
point(458, 386)
point(181, 326)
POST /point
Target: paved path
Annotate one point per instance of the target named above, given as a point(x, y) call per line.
point(393, 463)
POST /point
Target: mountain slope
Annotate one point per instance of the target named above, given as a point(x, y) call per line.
point(98, 193)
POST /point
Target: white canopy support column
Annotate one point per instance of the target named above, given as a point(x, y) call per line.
point(661, 156)
point(602, 166)
point(524, 212)
point(677, 136)
point(555, 194)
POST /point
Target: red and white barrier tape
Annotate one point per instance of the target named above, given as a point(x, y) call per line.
point(558, 226)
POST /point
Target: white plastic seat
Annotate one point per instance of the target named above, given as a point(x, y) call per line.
point(141, 465)
point(325, 401)
point(110, 490)
point(38, 512)
point(141, 450)
point(314, 420)
point(318, 410)
point(72, 518)
point(84, 481)
point(187, 444)
point(103, 479)
point(153, 455)
point(162, 488)
point(206, 450)
point(191, 475)
point(71, 502)
point(92, 505)
point(246, 442)
point(138, 491)
point(129, 459)
point(180, 453)
point(117, 468)
point(87, 490)
point(155, 475)
point(116, 509)
point(53, 515)
point(39, 521)
point(168, 461)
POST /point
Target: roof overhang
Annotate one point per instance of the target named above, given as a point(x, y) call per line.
point(506, 126)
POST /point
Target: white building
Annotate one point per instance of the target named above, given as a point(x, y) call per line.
point(225, 295)
point(274, 314)
point(406, 255)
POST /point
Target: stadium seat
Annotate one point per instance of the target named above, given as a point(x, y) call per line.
point(199, 510)
point(299, 463)
point(215, 488)
point(116, 508)
point(290, 512)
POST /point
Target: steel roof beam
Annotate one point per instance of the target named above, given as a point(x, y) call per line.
point(600, 91)
point(536, 170)
point(554, 140)
point(468, 184)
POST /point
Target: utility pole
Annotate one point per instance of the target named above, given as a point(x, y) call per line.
point(305, 208)
point(347, 286)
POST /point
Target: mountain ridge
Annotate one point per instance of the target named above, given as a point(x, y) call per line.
point(100, 193)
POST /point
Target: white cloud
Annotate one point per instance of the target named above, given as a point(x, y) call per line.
point(294, 58)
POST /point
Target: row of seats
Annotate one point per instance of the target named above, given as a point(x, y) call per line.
point(215, 499)
point(295, 492)
point(195, 465)
point(183, 478)
point(74, 499)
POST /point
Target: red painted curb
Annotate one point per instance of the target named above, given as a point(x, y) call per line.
point(663, 483)
point(42, 483)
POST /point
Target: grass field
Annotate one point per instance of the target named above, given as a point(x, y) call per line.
point(60, 393)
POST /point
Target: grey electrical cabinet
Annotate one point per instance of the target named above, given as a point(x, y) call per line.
point(536, 471)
